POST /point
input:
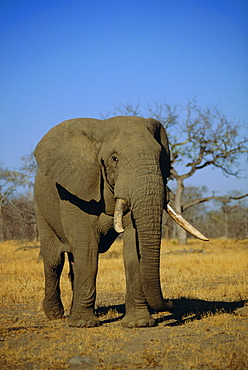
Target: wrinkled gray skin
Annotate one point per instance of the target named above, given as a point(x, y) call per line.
point(84, 165)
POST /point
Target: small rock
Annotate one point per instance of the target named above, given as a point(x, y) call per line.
point(80, 362)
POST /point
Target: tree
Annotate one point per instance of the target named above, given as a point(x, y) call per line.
point(9, 182)
point(228, 208)
point(199, 138)
point(29, 169)
point(19, 219)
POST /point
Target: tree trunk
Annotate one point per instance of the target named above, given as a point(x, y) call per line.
point(226, 215)
point(181, 233)
point(1, 224)
point(166, 231)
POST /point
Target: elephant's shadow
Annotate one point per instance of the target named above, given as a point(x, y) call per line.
point(184, 310)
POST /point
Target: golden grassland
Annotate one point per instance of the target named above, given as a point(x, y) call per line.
point(207, 282)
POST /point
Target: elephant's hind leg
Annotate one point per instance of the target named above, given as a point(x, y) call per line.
point(71, 272)
point(52, 304)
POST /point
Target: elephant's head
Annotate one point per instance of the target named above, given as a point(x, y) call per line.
point(121, 158)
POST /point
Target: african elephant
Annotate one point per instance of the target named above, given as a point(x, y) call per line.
point(97, 178)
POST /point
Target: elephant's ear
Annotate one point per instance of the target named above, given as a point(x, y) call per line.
point(158, 131)
point(68, 155)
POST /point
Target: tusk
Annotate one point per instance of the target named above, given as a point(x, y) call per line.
point(183, 223)
point(119, 208)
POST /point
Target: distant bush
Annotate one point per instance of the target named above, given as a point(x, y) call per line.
point(18, 219)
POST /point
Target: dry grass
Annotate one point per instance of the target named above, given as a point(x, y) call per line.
point(215, 270)
point(207, 282)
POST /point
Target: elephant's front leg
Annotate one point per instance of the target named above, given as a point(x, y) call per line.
point(84, 287)
point(53, 261)
point(137, 314)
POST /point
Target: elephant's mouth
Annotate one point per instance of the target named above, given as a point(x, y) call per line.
point(176, 216)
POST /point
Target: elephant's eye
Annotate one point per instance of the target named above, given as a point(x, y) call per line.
point(115, 159)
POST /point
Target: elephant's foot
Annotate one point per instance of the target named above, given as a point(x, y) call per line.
point(53, 310)
point(138, 320)
point(88, 320)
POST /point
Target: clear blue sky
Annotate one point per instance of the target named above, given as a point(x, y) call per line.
point(65, 59)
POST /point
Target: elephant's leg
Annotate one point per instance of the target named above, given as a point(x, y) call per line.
point(84, 286)
point(137, 314)
point(53, 261)
point(52, 304)
point(71, 272)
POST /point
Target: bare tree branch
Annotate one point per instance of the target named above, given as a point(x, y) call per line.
point(225, 199)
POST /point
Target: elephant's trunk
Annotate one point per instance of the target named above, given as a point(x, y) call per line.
point(147, 208)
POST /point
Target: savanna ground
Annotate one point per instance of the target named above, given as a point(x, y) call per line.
point(207, 329)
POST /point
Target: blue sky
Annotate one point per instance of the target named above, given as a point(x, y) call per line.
point(65, 59)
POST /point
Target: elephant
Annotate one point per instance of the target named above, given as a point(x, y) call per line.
point(95, 180)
